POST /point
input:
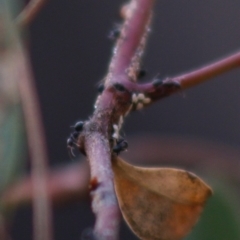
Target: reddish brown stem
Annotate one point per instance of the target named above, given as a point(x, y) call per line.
point(111, 106)
point(64, 184)
point(3, 229)
point(172, 85)
point(42, 220)
point(131, 35)
point(203, 74)
point(29, 12)
point(104, 202)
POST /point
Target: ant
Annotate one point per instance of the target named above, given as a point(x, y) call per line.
point(121, 145)
point(100, 88)
point(141, 73)
point(71, 141)
point(115, 32)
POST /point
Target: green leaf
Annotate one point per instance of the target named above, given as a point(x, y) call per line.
point(221, 217)
point(13, 147)
point(12, 133)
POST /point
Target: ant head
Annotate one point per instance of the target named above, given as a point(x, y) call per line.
point(100, 88)
point(79, 126)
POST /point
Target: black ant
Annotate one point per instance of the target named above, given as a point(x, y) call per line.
point(100, 88)
point(78, 127)
point(141, 73)
point(72, 140)
point(157, 82)
point(121, 145)
point(115, 32)
point(119, 87)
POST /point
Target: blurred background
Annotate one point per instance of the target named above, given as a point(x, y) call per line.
point(197, 129)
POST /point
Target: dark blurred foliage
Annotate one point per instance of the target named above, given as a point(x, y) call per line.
point(70, 52)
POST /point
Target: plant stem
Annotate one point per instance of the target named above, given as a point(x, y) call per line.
point(210, 71)
point(42, 217)
point(29, 12)
point(111, 106)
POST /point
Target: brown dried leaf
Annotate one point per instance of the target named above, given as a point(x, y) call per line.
point(159, 203)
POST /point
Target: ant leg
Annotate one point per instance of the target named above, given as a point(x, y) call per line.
point(70, 146)
point(70, 152)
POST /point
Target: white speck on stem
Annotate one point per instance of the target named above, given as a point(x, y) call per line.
point(141, 96)
point(115, 135)
point(97, 101)
point(147, 100)
point(115, 127)
point(140, 106)
point(120, 122)
point(114, 50)
point(134, 98)
point(116, 131)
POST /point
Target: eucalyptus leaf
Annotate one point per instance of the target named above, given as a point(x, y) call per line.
point(221, 217)
point(13, 147)
point(12, 133)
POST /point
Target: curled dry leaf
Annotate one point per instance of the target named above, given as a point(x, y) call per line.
point(159, 203)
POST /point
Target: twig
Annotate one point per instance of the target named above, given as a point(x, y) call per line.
point(3, 229)
point(203, 74)
point(130, 46)
point(63, 184)
point(36, 141)
point(97, 138)
point(29, 12)
point(158, 90)
point(21, 75)
point(104, 203)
